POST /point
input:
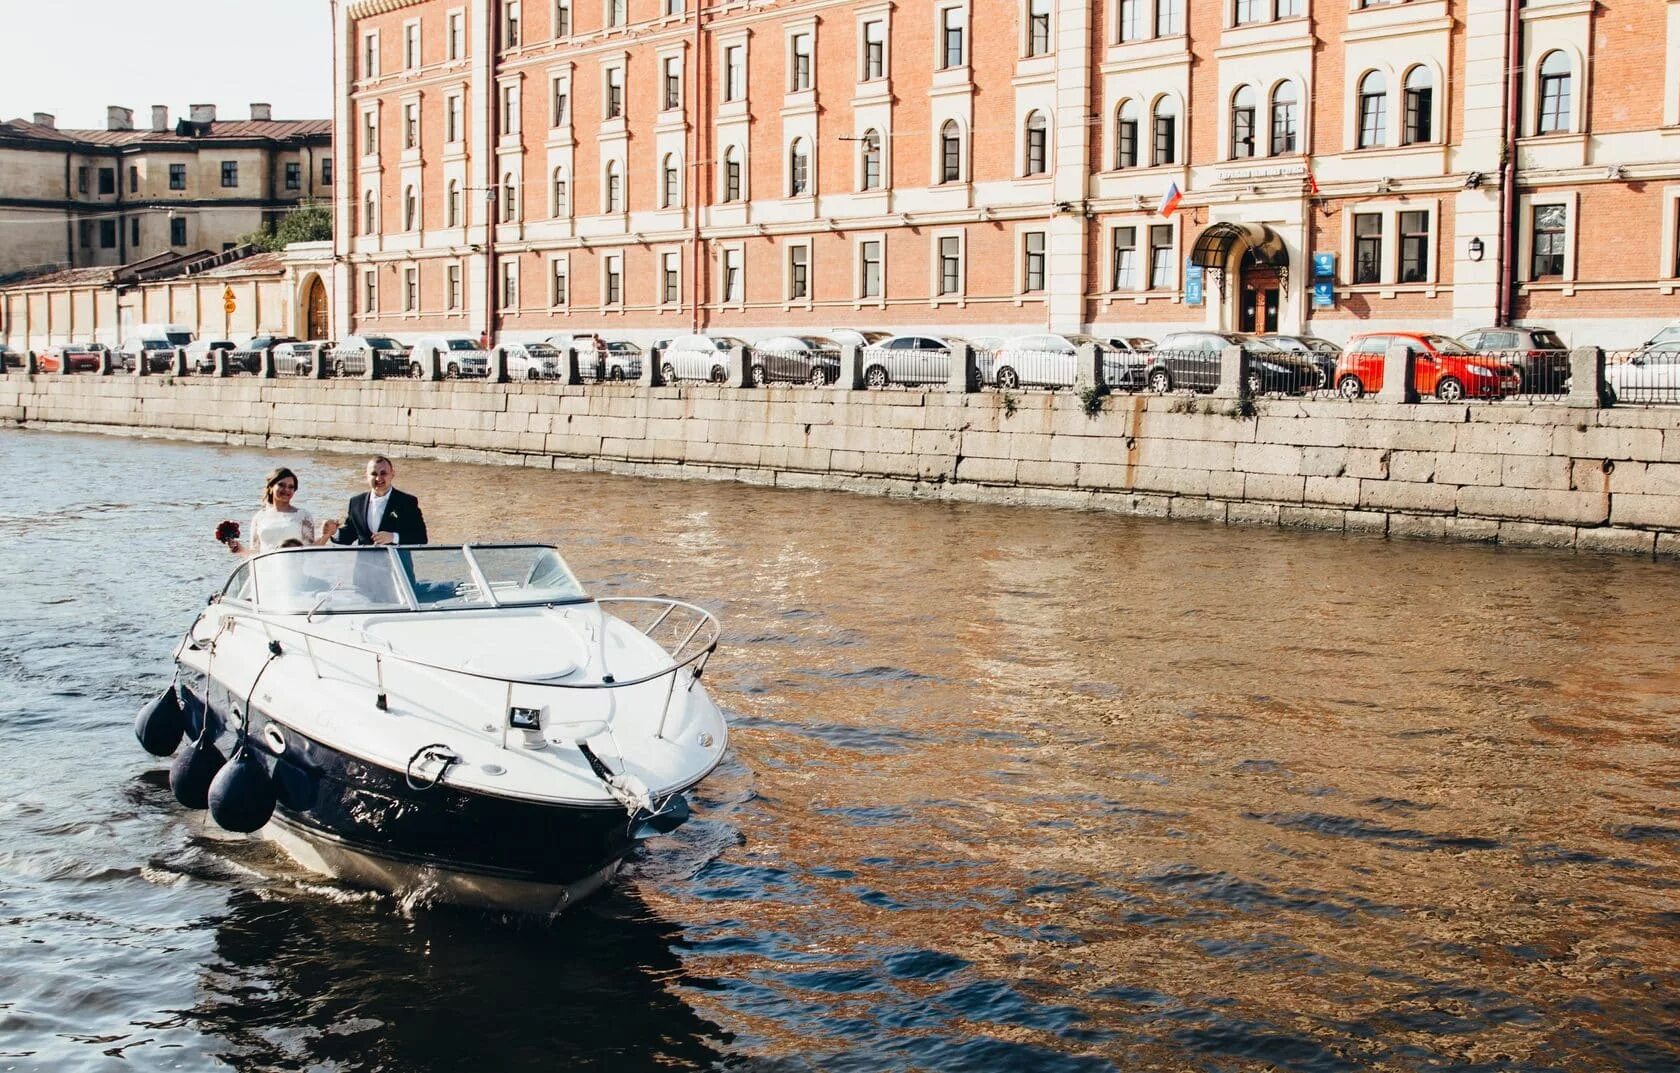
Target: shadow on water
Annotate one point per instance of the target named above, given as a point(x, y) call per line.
point(295, 984)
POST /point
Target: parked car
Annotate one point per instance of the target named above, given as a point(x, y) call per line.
point(1126, 360)
point(532, 361)
point(458, 355)
point(698, 357)
point(1538, 354)
point(246, 357)
point(1192, 360)
point(77, 357)
point(201, 354)
point(176, 334)
point(1442, 367)
point(1665, 340)
point(158, 350)
point(9, 358)
point(624, 360)
point(392, 356)
point(1321, 352)
point(1650, 374)
point(301, 359)
point(1044, 359)
point(808, 359)
point(592, 353)
point(856, 336)
point(909, 359)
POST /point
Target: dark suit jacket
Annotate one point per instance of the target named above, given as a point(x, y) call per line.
point(402, 517)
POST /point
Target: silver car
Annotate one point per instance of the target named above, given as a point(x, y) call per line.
point(795, 359)
point(532, 361)
point(698, 357)
point(909, 359)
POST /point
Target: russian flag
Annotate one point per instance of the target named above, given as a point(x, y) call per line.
point(1170, 200)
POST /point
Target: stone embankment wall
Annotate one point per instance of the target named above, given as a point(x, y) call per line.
point(1595, 479)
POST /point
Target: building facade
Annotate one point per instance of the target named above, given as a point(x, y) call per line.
point(73, 199)
point(650, 167)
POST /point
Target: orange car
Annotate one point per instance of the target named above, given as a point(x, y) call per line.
point(1441, 366)
point(79, 357)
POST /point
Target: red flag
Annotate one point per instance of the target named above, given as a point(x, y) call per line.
point(1312, 183)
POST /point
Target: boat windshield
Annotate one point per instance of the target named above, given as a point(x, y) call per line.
point(300, 581)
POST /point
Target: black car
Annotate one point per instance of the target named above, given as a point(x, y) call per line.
point(1192, 360)
point(1539, 354)
point(1321, 352)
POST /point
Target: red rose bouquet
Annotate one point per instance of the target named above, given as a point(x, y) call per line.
point(227, 532)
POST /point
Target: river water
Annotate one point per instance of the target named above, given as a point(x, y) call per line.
point(1009, 790)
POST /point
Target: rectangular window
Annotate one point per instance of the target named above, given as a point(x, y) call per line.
point(950, 264)
point(370, 55)
point(1420, 107)
point(673, 7)
point(1288, 9)
point(326, 171)
point(133, 179)
point(510, 25)
point(510, 285)
point(1367, 247)
point(370, 133)
point(457, 34)
point(734, 73)
point(1414, 247)
point(510, 109)
point(230, 173)
point(107, 180)
point(801, 79)
point(1123, 270)
point(670, 278)
point(1038, 27)
point(953, 25)
point(559, 102)
point(177, 232)
point(452, 119)
point(874, 50)
point(731, 276)
point(370, 291)
point(1373, 114)
point(452, 286)
point(1032, 262)
point(1130, 26)
point(1242, 129)
point(82, 179)
point(671, 98)
point(615, 12)
point(1164, 137)
point(558, 292)
point(134, 232)
point(869, 269)
point(1160, 256)
point(177, 176)
point(1169, 17)
point(563, 18)
point(799, 272)
point(87, 233)
point(411, 290)
point(613, 289)
point(1549, 221)
point(615, 93)
point(1249, 11)
point(411, 126)
point(1285, 122)
point(1554, 99)
point(1126, 137)
point(411, 45)
point(294, 175)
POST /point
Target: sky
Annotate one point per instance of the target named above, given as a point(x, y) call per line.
point(73, 58)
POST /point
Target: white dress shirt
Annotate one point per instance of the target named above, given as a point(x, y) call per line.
point(376, 511)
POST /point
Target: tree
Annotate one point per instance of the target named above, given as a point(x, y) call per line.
point(311, 223)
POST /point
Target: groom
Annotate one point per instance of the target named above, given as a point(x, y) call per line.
point(382, 515)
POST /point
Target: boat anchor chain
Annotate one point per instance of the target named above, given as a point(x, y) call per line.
point(437, 753)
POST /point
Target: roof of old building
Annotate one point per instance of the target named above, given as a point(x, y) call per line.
point(184, 134)
point(202, 264)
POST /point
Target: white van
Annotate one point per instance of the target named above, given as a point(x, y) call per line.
point(177, 334)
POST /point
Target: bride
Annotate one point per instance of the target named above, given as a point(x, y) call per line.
point(279, 524)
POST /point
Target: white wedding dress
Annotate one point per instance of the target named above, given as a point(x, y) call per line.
point(271, 528)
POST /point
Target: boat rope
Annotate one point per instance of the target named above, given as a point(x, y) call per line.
point(437, 752)
point(245, 712)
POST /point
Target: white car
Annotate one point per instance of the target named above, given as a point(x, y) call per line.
point(532, 361)
point(1651, 373)
point(299, 359)
point(458, 355)
point(698, 357)
point(909, 359)
point(1045, 359)
point(856, 336)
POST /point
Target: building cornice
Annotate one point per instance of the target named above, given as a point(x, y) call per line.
point(361, 9)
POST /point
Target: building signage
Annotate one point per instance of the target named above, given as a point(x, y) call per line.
point(1324, 294)
point(1192, 284)
point(1324, 266)
point(1274, 171)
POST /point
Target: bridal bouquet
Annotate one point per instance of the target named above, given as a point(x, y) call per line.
point(227, 532)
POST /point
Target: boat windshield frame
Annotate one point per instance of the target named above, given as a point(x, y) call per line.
point(401, 581)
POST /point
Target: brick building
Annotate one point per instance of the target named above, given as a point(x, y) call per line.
point(643, 168)
point(104, 198)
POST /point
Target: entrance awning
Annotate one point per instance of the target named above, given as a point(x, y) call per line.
point(1214, 245)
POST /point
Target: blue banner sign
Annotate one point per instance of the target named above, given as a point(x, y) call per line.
point(1324, 266)
point(1324, 294)
point(1192, 284)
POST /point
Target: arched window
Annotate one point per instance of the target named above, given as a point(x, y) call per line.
point(1242, 123)
point(1286, 119)
point(1373, 110)
point(1554, 94)
point(1163, 132)
point(452, 204)
point(510, 198)
point(1037, 145)
point(799, 169)
point(1126, 135)
point(871, 160)
point(1420, 106)
point(614, 191)
point(731, 174)
point(411, 210)
point(950, 152)
point(370, 208)
point(670, 182)
point(561, 202)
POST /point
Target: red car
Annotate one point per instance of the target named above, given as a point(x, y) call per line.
point(1442, 367)
point(79, 358)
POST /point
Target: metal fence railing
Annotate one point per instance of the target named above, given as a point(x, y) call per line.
point(817, 366)
point(892, 367)
point(244, 362)
point(1644, 375)
point(346, 364)
point(1542, 371)
point(294, 361)
point(1010, 369)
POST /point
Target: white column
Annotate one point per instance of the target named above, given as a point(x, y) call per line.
point(1476, 212)
point(1070, 182)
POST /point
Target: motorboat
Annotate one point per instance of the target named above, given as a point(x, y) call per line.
point(461, 722)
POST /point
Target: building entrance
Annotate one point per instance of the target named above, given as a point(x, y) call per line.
point(1262, 295)
point(315, 301)
point(1248, 264)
